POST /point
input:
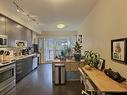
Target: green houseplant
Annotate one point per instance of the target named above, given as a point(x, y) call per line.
point(91, 58)
point(77, 51)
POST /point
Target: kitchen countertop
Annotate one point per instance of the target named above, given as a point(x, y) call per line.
point(6, 63)
point(25, 56)
point(66, 61)
point(3, 64)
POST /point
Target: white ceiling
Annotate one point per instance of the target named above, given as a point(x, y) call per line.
point(51, 12)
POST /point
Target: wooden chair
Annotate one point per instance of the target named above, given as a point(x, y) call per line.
point(90, 88)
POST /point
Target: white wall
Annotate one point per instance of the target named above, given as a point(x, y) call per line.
point(108, 20)
point(59, 34)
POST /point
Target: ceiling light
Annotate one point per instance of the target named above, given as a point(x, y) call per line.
point(60, 26)
point(20, 10)
point(17, 10)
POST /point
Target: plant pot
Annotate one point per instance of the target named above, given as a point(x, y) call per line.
point(77, 57)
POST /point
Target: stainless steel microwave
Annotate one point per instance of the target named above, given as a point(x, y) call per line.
point(20, 43)
point(3, 40)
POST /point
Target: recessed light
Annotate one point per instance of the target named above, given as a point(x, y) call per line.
point(60, 26)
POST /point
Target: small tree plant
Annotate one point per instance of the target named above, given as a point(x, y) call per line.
point(77, 51)
point(77, 47)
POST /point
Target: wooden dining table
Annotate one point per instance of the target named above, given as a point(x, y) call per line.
point(103, 83)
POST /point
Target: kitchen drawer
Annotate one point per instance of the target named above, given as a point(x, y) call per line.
point(23, 67)
point(75, 75)
point(74, 67)
point(19, 72)
point(19, 64)
point(67, 67)
point(18, 69)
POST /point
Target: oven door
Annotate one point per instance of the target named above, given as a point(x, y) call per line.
point(1, 41)
point(4, 41)
point(7, 75)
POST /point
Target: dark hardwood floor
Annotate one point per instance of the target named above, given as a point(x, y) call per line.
point(39, 82)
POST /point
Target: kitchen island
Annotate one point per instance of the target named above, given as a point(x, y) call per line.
point(71, 68)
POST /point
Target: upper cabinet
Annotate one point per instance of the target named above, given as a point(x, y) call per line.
point(16, 31)
point(28, 37)
point(2, 25)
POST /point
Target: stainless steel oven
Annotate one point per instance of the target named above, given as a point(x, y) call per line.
point(7, 78)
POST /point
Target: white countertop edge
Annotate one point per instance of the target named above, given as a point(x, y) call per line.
point(25, 56)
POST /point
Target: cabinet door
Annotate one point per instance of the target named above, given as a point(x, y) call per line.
point(74, 66)
point(14, 32)
point(27, 64)
point(10, 29)
point(75, 75)
point(19, 70)
point(2, 25)
point(29, 60)
point(28, 37)
point(25, 67)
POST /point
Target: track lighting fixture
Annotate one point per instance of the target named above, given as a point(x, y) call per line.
point(20, 10)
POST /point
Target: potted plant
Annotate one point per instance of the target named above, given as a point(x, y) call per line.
point(77, 51)
point(91, 58)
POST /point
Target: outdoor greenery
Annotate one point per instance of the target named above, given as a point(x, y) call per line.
point(66, 53)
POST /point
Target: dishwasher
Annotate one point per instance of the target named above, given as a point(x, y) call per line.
point(35, 62)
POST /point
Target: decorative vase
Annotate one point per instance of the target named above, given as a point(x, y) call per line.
point(77, 56)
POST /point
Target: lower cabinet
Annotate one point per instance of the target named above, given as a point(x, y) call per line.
point(23, 67)
point(27, 64)
point(72, 72)
point(19, 70)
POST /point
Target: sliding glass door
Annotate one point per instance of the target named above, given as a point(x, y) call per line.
point(54, 46)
